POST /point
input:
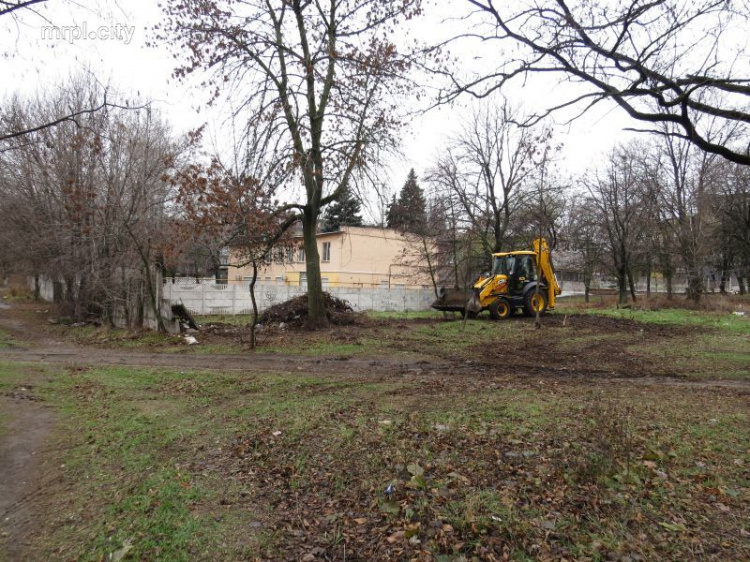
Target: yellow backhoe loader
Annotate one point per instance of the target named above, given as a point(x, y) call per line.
point(519, 281)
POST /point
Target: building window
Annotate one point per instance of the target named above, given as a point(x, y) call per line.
point(301, 255)
point(303, 280)
point(290, 256)
point(279, 280)
point(326, 251)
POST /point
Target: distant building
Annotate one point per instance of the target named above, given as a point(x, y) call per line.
point(354, 256)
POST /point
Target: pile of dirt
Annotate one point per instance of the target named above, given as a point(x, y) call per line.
point(294, 312)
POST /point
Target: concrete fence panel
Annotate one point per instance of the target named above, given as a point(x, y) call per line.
point(207, 297)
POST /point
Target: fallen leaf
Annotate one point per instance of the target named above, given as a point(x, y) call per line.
point(415, 470)
point(674, 527)
point(121, 553)
point(398, 536)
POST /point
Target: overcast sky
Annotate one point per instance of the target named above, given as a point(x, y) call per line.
point(114, 49)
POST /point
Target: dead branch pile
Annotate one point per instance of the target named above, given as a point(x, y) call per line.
point(294, 311)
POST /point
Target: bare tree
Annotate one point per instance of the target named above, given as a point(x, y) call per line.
point(489, 167)
point(459, 247)
point(584, 238)
point(683, 178)
point(12, 132)
point(616, 192)
point(666, 61)
point(9, 7)
point(730, 204)
point(428, 251)
point(320, 74)
point(83, 204)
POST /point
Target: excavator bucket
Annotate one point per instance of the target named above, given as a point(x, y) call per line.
point(474, 305)
point(457, 300)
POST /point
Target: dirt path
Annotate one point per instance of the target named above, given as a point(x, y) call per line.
point(344, 366)
point(39, 348)
point(25, 426)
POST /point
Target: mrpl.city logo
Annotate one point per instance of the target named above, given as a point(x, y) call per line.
point(72, 33)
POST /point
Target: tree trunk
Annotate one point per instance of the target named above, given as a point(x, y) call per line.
point(316, 310)
point(622, 286)
point(694, 286)
point(153, 286)
point(694, 277)
point(430, 267)
point(631, 284)
point(254, 322)
point(724, 280)
point(586, 291)
point(140, 308)
point(81, 299)
point(37, 288)
point(70, 297)
point(668, 279)
point(57, 292)
point(740, 283)
point(125, 298)
point(648, 282)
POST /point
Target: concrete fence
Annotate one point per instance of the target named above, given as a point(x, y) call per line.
point(205, 296)
point(132, 311)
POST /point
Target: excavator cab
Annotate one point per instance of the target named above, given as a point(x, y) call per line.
point(518, 269)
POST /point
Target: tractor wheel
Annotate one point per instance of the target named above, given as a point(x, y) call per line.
point(500, 309)
point(534, 302)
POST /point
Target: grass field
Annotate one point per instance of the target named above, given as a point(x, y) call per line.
point(170, 465)
point(561, 443)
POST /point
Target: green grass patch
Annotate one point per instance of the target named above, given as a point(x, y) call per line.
point(711, 355)
point(115, 337)
point(233, 319)
point(6, 340)
point(124, 488)
point(680, 317)
point(407, 315)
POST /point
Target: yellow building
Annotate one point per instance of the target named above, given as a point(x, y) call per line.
point(355, 256)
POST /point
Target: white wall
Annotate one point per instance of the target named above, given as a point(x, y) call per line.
point(206, 297)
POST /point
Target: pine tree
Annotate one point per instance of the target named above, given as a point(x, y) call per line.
point(392, 215)
point(344, 212)
point(409, 213)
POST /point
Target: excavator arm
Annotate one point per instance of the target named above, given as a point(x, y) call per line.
point(544, 263)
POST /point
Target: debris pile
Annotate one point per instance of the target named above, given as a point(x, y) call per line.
point(185, 318)
point(294, 311)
